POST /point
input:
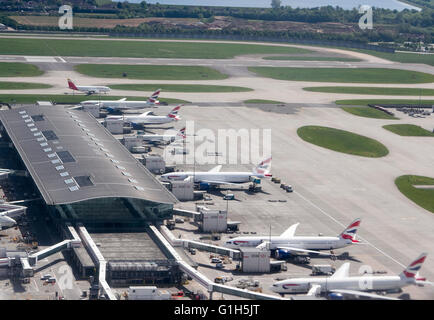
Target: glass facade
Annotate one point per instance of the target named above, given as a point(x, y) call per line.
point(120, 211)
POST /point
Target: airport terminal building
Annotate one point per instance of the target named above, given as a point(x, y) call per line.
point(82, 172)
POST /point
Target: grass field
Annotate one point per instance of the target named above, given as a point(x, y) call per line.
point(138, 49)
point(422, 197)
point(403, 57)
point(260, 101)
point(311, 58)
point(365, 102)
point(179, 87)
point(359, 75)
point(4, 85)
point(32, 98)
point(374, 90)
point(342, 141)
point(410, 130)
point(18, 69)
point(368, 112)
point(150, 72)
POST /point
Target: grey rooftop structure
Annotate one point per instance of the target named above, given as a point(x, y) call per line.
point(73, 158)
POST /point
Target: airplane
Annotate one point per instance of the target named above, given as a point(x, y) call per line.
point(137, 121)
point(341, 282)
point(6, 222)
point(163, 138)
point(8, 214)
point(123, 104)
point(288, 244)
point(215, 177)
point(88, 89)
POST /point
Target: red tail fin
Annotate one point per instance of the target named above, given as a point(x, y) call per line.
point(71, 85)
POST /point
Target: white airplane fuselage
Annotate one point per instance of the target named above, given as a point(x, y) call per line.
point(361, 283)
point(6, 222)
point(144, 120)
point(93, 89)
point(158, 137)
point(119, 105)
point(228, 177)
point(308, 243)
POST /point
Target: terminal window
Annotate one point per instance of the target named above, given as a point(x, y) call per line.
point(49, 135)
point(38, 117)
point(83, 181)
point(65, 156)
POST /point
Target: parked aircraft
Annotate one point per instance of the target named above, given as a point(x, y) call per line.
point(288, 243)
point(215, 177)
point(163, 138)
point(341, 282)
point(8, 214)
point(148, 118)
point(88, 89)
point(123, 104)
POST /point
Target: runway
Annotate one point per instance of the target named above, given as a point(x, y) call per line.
point(58, 63)
point(58, 68)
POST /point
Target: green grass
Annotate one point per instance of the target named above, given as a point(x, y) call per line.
point(150, 72)
point(368, 112)
point(18, 69)
point(365, 102)
point(357, 75)
point(410, 130)
point(311, 58)
point(137, 49)
point(374, 90)
point(22, 85)
point(260, 101)
point(32, 98)
point(342, 141)
point(179, 87)
point(402, 57)
point(422, 197)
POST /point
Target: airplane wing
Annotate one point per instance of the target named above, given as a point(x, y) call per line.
point(145, 114)
point(299, 250)
point(290, 232)
point(342, 272)
point(362, 294)
point(216, 168)
point(262, 245)
point(314, 290)
point(422, 283)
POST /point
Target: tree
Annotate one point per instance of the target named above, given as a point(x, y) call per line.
point(275, 4)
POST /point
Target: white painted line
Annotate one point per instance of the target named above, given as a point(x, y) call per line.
point(36, 285)
point(344, 226)
point(40, 59)
point(61, 59)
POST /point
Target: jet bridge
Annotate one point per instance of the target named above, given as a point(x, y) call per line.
point(202, 279)
point(65, 244)
point(187, 213)
point(98, 259)
point(234, 254)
